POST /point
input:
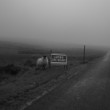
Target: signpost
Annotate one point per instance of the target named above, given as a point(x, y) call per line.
point(58, 59)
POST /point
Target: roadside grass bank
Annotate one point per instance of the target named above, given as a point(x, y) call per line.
point(33, 84)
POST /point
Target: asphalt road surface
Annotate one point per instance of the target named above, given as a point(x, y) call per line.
point(89, 92)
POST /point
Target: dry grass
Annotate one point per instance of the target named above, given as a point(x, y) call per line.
point(18, 76)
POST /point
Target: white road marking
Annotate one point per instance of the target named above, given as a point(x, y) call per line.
point(37, 98)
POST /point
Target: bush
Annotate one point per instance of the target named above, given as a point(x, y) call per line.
point(10, 69)
point(29, 63)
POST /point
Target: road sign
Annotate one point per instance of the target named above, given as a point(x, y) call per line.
point(58, 59)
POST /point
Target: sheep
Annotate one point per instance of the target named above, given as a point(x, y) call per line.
point(42, 63)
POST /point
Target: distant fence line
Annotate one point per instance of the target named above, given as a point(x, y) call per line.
point(32, 52)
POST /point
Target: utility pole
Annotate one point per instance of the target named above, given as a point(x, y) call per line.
point(84, 54)
point(50, 51)
point(50, 58)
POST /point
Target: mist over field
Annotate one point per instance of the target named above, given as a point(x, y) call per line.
point(45, 44)
point(56, 23)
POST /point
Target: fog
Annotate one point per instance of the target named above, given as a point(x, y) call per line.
point(56, 22)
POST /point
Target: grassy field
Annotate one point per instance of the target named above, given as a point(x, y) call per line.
point(18, 77)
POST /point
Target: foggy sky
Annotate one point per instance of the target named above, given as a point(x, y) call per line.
point(54, 22)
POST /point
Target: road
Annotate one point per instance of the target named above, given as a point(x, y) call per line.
point(91, 91)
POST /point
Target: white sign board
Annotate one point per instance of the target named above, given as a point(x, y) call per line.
point(58, 59)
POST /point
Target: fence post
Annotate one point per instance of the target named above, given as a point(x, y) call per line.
point(84, 54)
point(50, 58)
